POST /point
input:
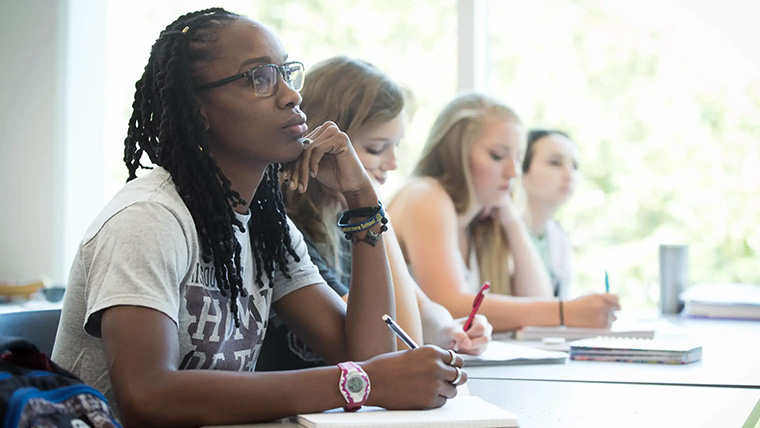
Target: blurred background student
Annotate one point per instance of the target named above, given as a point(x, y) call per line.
point(458, 226)
point(549, 177)
point(367, 105)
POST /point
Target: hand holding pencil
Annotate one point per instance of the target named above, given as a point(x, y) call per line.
point(396, 377)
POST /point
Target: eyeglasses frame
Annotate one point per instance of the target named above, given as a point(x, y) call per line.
point(226, 80)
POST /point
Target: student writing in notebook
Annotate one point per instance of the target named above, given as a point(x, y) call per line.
point(369, 106)
point(458, 226)
point(171, 289)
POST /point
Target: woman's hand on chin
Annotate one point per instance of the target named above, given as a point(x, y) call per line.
point(330, 158)
point(506, 213)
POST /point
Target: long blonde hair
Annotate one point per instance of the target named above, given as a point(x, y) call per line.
point(352, 93)
point(446, 158)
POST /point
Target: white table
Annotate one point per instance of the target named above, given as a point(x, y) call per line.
point(540, 404)
point(29, 305)
point(548, 404)
point(730, 357)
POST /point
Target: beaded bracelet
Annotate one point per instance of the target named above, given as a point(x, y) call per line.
point(370, 237)
point(561, 314)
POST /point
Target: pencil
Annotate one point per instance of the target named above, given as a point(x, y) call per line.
point(399, 332)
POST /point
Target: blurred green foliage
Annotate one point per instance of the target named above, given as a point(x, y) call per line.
point(667, 119)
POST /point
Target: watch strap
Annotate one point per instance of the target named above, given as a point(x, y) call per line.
point(355, 400)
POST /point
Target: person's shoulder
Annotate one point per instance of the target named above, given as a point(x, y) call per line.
point(423, 192)
point(557, 233)
point(150, 201)
point(555, 227)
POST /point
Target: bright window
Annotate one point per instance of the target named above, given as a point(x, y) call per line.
point(663, 99)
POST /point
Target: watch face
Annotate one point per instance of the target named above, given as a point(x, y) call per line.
point(355, 384)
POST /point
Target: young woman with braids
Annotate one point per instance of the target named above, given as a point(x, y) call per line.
point(369, 107)
point(171, 288)
point(457, 224)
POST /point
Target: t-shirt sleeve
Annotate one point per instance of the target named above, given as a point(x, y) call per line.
point(139, 257)
point(302, 273)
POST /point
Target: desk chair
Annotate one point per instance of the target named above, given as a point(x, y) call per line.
point(38, 326)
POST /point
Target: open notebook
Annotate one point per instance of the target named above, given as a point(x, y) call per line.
point(509, 354)
point(632, 350)
point(573, 333)
point(462, 411)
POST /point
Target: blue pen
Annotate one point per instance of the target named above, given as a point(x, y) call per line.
point(606, 282)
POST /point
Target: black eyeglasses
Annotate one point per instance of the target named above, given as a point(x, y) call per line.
point(265, 78)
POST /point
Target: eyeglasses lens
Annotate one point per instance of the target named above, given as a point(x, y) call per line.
point(265, 78)
point(294, 74)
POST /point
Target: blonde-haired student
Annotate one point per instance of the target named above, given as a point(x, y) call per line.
point(458, 226)
point(370, 107)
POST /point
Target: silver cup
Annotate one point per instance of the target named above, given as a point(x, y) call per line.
point(674, 276)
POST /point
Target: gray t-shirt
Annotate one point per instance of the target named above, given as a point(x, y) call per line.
point(143, 250)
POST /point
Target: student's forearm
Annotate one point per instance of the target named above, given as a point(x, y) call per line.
point(405, 291)
point(407, 312)
point(434, 318)
point(530, 277)
point(371, 293)
point(171, 398)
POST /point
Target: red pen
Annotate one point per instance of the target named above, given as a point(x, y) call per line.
point(476, 304)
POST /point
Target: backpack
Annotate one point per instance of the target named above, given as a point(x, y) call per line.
point(36, 393)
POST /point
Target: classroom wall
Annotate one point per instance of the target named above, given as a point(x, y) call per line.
point(31, 136)
point(49, 142)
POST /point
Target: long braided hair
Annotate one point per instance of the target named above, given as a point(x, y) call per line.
point(167, 125)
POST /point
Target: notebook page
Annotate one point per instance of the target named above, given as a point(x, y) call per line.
point(460, 412)
point(502, 353)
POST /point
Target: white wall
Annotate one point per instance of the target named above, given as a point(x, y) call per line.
point(51, 90)
point(84, 112)
point(32, 59)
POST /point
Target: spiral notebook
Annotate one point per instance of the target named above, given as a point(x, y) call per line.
point(460, 412)
point(632, 350)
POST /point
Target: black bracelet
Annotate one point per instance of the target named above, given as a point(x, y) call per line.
point(359, 212)
point(561, 314)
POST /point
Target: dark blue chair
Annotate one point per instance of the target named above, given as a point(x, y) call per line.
point(39, 327)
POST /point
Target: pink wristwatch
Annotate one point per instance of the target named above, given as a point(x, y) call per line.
point(353, 385)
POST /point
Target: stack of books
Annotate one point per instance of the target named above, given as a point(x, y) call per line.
point(726, 300)
point(573, 333)
point(631, 350)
